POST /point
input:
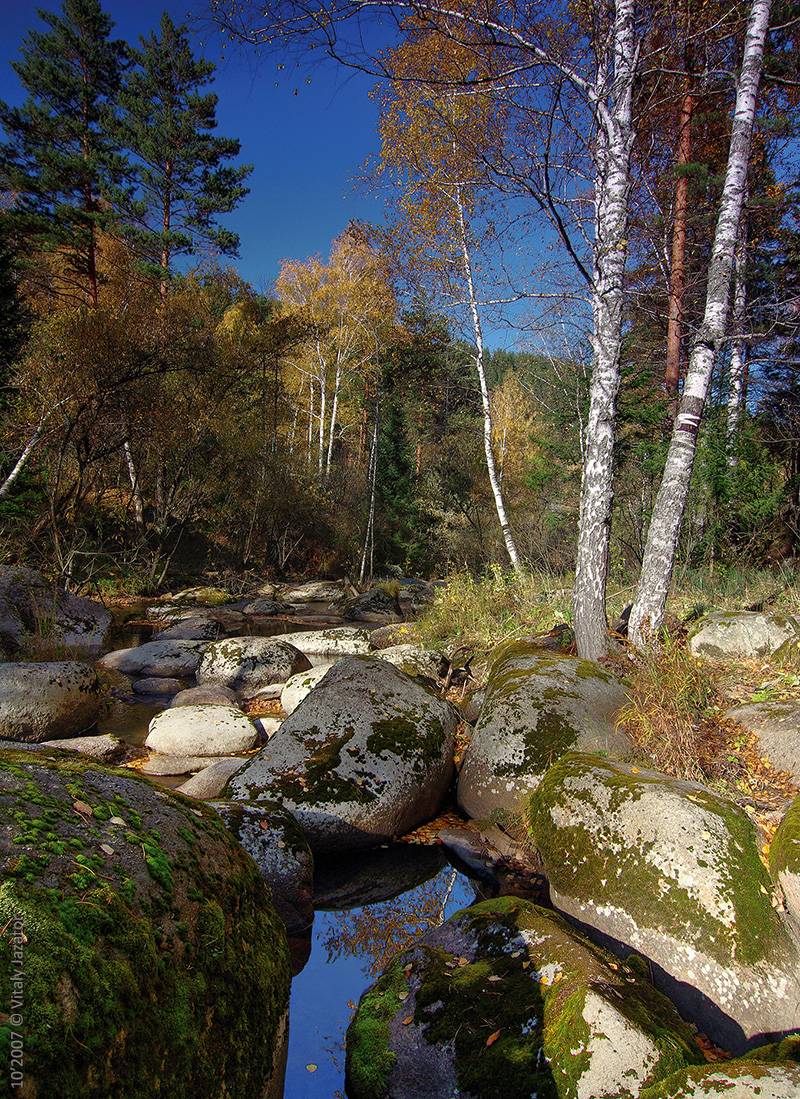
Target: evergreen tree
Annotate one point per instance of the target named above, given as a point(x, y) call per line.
point(183, 179)
point(59, 161)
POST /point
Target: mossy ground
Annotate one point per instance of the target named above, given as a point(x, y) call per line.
point(160, 968)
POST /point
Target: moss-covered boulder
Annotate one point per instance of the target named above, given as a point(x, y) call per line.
point(538, 706)
point(338, 641)
point(505, 1001)
point(276, 844)
point(414, 660)
point(784, 860)
point(296, 688)
point(246, 664)
point(749, 634)
point(49, 700)
point(202, 596)
point(367, 755)
point(161, 659)
point(672, 871)
point(153, 960)
point(732, 1080)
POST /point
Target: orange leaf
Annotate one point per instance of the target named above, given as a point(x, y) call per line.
point(490, 1041)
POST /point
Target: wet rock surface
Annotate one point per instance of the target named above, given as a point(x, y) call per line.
point(48, 700)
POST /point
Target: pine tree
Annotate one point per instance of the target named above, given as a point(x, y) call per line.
point(183, 179)
point(59, 161)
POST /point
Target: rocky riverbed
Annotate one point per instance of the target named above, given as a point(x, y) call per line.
point(494, 898)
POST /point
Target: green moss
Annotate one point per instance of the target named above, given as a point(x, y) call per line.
point(577, 859)
point(409, 737)
point(720, 1079)
point(369, 1057)
point(784, 852)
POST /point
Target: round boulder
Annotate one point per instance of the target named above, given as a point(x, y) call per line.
point(47, 701)
point(784, 860)
point(165, 659)
point(154, 961)
point(31, 607)
point(538, 706)
point(671, 870)
point(776, 727)
point(748, 634)
point(339, 641)
point(506, 1000)
point(202, 696)
point(246, 663)
point(207, 730)
point(192, 629)
point(366, 756)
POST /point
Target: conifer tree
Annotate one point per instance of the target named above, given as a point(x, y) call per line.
point(59, 162)
point(183, 175)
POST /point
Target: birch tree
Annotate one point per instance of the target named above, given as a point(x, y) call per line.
point(647, 614)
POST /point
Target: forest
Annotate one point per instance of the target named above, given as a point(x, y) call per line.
point(400, 641)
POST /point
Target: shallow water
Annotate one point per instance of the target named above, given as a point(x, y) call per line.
point(351, 945)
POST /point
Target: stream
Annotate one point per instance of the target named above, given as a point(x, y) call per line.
point(368, 906)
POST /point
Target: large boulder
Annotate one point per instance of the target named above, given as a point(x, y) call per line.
point(47, 701)
point(414, 660)
point(273, 839)
point(379, 604)
point(784, 860)
point(505, 999)
point(538, 706)
point(742, 1079)
point(671, 870)
point(748, 634)
point(314, 591)
point(339, 641)
point(192, 629)
point(211, 780)
point(268, 607)
point(157, 659)
point(203, 696)
point(776, 727)
point(153, 960)
point(202, 596)
point(366, 756)
point(246, 663)
point(30, 607)
point(207, 730)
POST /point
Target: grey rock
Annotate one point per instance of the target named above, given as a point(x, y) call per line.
point(208, 730)
point(272, 838)
point(164, 659)
point(164, 765)
point(31, 607)
point(106, 748)
point(414, 660)
point(192, 629)
point(340, 641)
point(247, 663)
point(49, 700)
point(671, 870)
point(211, 780)
point(266, 607)
point(204, 696)
point(367, 755)
point(300, 685)
point(375, 605)
point(538, 706)
point(743, 1079)
point(314, 591)
point(748, 634)
point(385, 637)
point(157, 687)
point(776, 726)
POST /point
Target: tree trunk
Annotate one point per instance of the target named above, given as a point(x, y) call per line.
point(738, 366)
point(166, 222)
point(477, 332)
point(136, 494)
point(334, 413)
point(647, 615)
point(612, 168)
point(372, 481)
point(677, 270)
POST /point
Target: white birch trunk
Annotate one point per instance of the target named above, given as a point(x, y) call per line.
point(477, 332)
point(138, 503)
point(322, 409)
point(736, 372)
point(27, 450)
point(612, 168)
point(647, 615)
point(334, 413)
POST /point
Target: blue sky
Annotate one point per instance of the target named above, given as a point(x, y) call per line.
point(307, 148)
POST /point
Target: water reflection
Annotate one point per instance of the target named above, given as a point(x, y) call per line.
point(349, 947)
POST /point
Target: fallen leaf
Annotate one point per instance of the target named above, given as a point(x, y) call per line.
point(402, 996)
point(408, 1019)
point(107, 848)
point(494, 977)
point(490, 1041)
point(116, 820)
point(82, 808)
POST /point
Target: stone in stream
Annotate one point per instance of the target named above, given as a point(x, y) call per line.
point(366, 756)
point(165, 659)
point(538, 706)
point(296, 688)
point(314, 591)
point(103, 747)
point(784, 860)
point(776, 726)
point(267, 607)
point(272, 838)
point(157, 687)
point(154, 960)
point(48, 700)
point(202, 696)
point(506, 999)
point(207, 730)
point(385, 637)
point(247, 663)
point(32, 608)
point(375, 605)
point(414, 660)
point(746, 634)
point(162, 765)
point(210, 780)
point(380, 874)
point(202, 596)
point(671, 870)
point(200, 628)
point(340, 641)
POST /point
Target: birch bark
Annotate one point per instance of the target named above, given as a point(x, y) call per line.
point(647, 615)
point(736, 371)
